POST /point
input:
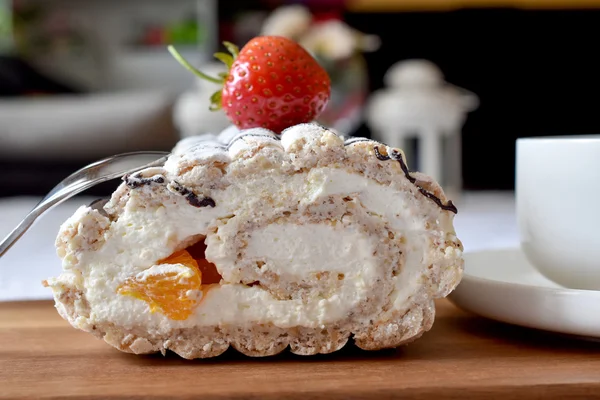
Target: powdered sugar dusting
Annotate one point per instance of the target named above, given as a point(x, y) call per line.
point(232, 142)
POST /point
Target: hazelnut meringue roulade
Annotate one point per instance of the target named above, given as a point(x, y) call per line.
point(262, 242)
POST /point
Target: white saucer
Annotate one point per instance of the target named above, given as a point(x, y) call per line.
point(502, 285)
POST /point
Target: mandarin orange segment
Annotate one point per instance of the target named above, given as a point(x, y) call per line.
point(167, 292)
point(180, 257)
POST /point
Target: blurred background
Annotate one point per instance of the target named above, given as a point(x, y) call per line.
point(452, 82)
point(84, 79)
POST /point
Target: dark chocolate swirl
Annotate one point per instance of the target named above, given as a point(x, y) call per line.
point(353, 140)
point(245, 135)
point(137, 181)
point(396, 156)
point(191, 197)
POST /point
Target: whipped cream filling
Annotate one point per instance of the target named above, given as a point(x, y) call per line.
point(143, 235)
point(283, 247)
point(390, 204)
point(331, 249)
point(345, 252)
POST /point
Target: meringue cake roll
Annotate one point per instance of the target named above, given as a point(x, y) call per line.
point(262, 242)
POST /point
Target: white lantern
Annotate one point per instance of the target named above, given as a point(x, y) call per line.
point(417, 103)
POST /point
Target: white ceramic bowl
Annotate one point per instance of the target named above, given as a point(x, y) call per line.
point(558, 207)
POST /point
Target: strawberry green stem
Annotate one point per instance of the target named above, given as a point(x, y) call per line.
point(187, 65)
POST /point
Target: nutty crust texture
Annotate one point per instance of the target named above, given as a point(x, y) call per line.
point(378, 321)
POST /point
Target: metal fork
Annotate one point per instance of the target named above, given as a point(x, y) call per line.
point(101, 171)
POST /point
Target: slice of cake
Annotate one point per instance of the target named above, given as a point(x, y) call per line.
point(262, 241)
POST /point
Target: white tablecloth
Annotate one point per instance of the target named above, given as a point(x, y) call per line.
point(485, 220)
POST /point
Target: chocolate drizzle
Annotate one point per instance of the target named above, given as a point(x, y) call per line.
point(245, 135)
point(137, 181)
point(205, 147)
point(353, 140)
point(396, 156)
point(191, 197)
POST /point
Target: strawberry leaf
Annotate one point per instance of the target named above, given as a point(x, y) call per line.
point(232, 48)
point(227, 59)
point(215, 101)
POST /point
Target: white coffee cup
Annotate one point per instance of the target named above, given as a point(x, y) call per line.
point(558, 207)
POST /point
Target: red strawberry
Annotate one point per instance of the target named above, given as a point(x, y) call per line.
point(272, 83)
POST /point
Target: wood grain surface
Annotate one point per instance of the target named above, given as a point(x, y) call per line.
point(462, 357)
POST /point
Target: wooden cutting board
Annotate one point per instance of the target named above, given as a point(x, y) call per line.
point(462, 357)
